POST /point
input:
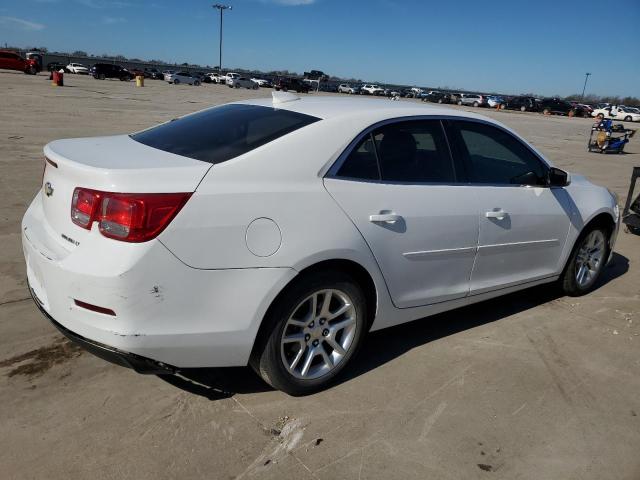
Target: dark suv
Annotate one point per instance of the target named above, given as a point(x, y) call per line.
point(523, 103)
point(101, 71)
point(556, 106)
point(287, 83)
point(438, 97)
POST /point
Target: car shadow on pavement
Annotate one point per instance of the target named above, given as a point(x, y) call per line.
point(383, 346)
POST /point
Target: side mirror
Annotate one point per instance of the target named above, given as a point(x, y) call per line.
point(558, 178)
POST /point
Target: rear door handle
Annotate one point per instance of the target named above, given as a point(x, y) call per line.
point(385, 218)
point(498, 214)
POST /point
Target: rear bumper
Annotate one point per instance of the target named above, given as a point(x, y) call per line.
point(165, 312)
point(110, 354)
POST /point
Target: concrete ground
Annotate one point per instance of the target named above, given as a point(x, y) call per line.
point(528, 386)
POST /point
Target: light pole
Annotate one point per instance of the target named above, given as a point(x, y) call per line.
point(221, 8)
point(586, 77)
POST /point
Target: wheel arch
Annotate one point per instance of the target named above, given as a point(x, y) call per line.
point(350, 267)
point(602, 218)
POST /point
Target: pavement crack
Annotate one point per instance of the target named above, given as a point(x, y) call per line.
point(17, 300)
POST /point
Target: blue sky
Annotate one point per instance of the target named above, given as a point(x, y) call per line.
point(512, 46)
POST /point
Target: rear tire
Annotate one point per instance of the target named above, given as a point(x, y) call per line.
point(546, 111)
point(101, 76)
point(308, 362)
point(588, 259)
point(628, 118)
point(476, 104)
point(523, 108)
point(459, 102)
point(196, 83)
point(176, 81)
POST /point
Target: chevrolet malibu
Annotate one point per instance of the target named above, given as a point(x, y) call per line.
point(276, 233)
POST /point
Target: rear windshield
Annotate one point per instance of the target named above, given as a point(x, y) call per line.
point(222, 133)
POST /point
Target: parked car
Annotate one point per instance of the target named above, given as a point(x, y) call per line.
point(316, 75)
point(153, 74)
point(242, 82)
point(617, 112)
point(230, 76)
point(494, 101)
point(371, 89)
point(77, 68)
point(136, 72)
point(438, 97)
point(522, 103)
point(214, 77)
point(166, 74)
point(289, 83)
point(100, 71)
point(390, 92)
point(346, 88)
point(182, 77)
point(557, 106)
point(10, 60)
point(473, 100)
point(257, 281)
point(262, 82)
point(56, 67)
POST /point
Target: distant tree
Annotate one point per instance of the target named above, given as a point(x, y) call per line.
point(80, 53)
point(120, 57)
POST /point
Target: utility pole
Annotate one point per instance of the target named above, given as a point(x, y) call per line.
point(586, 77)
point(221, 8)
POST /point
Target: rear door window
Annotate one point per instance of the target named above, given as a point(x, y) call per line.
point(222, 133)
point(414, 152)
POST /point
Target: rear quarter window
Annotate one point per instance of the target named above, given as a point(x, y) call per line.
point(222, 133)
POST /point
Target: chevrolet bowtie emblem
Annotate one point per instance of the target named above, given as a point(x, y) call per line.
point(48, 189)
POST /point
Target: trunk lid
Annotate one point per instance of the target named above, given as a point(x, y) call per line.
point(111, 164)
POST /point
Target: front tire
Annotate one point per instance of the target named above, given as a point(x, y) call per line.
point(312, 332)
point(587, 260)
point(628, 118)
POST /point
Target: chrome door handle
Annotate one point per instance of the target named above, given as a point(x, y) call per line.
point(498, 214)
point(385, 218)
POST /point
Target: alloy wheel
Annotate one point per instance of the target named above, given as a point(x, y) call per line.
point(589, 258)
point(318, 334)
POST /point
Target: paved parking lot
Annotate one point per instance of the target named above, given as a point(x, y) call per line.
point(528, 386)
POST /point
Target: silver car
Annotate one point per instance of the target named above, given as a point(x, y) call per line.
point(243, 82)
point(346, 88)
point(472, 99)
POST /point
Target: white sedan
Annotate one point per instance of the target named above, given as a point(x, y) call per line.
point(618, 112)
point(277, 233)
point(77, 68)
point(182, 77)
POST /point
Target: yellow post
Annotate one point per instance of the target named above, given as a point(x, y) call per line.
point(139, 81)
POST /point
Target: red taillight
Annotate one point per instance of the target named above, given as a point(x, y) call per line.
point(130, 217)
point(84, 206)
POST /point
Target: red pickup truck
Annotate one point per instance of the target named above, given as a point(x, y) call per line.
point(10, 60)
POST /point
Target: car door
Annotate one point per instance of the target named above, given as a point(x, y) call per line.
point(399, 186)
point(523, 223)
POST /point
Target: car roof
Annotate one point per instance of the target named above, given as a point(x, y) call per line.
point(326, 107)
